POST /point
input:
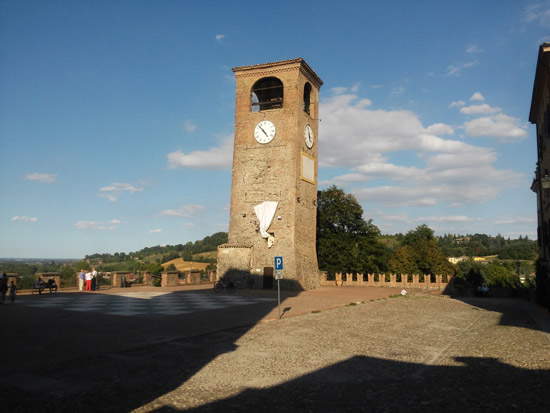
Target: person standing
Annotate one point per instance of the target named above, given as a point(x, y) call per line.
point(81, 276)
point(13, 290)
point(88, 279)
point(3, 286)
point(94, 279)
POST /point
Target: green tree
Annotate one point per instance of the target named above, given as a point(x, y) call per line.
point(420, 253)
point(421, 233)
point(403, 261)
point(154, 268)
point(345, 241)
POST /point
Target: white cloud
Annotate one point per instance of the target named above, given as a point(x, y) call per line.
point(516, 220)
point(185, 211)
point(482, 109)
point(220, 37)
point(439, 129)
point(456, 194)
point(339, 90)
point(155, 230)
point(477, 96)
point(500, 126)
point(473, 48)
point(388, 170)
point(376, 86)
point(189, 126)
point(360, 139)
point(41, 177)
point(98, 225)
point(353, 135)
point(456, 70)
point(112, 192)
point(539, 13)
point(213, 158)
point(457, 104)
point(23, 218)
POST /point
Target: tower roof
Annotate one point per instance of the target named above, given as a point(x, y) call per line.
point(298, 61)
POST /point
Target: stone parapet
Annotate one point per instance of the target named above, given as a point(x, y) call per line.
point(439, 282)
point(169, 279)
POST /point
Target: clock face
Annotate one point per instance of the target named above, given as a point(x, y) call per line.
point(264, 132)
point(308, 136)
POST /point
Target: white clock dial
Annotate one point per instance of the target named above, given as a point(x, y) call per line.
point(264, 132)
point(308, 136)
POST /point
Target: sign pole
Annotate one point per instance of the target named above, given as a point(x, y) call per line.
point(279, 296)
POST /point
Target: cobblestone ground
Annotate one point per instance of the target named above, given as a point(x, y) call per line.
point(414, 353)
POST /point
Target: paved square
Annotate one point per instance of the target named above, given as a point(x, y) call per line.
point(141, 303)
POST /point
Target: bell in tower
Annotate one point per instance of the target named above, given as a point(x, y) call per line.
point(274, 176)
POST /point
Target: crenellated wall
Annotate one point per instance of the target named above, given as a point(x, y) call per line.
point(437, 282)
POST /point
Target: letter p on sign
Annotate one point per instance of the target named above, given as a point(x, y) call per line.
point(278, 263)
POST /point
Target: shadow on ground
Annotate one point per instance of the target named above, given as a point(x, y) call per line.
point(515, 312)
point(371, 384)
point(56, 360)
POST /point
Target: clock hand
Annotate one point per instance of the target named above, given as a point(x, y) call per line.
point(263, 131)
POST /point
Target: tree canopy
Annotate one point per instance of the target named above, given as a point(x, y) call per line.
point(346, 241)
point(420, 254)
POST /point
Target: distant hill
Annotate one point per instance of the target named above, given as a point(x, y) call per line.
point(206, 256)
point(472, 245)
point(162, 254)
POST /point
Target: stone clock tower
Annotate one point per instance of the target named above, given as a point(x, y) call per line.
point(274, 178)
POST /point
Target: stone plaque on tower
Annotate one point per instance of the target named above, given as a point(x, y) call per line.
point(274, 176)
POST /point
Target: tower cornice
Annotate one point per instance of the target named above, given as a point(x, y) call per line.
point(280, 66)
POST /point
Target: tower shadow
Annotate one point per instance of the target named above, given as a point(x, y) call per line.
point(379, 385)
point(63, 360)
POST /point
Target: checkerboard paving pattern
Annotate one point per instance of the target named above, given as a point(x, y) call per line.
point(141, 303)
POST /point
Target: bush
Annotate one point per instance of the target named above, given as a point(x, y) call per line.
point(496, 275)
point(493, 274)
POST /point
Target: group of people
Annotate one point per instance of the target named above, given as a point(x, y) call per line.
point(88, 281)
point(41, 285)
point(4, 288)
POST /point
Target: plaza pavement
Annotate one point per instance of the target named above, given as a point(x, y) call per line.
point(370, 352)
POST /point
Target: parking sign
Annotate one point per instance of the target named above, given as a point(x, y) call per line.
point(278, 263)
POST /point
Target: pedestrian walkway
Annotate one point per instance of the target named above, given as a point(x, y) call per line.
point(142, 302)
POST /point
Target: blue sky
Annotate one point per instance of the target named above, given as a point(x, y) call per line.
point(116, 117)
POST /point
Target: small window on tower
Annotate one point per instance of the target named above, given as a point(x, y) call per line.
point(267, 93)
point(307, 97)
